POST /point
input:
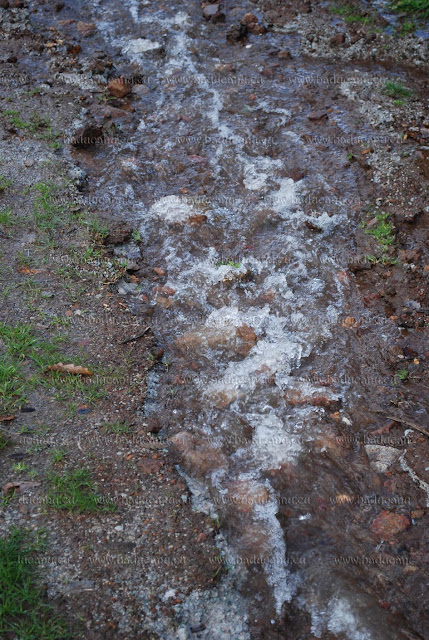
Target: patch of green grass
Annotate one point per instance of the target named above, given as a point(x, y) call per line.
point(402, 374)
point(4, 441)
point(97, 230)
point(6, 292)
point(68, 272)
point(349, 15)
point(47, 353)
point(74, 491)
point(12, 387)
point(59, 321)
point(382, 230)
point(119, 427)
point(372, 258)
point(384, 259)
point(18, 339)
point(6, 218)
point(7, 498)
point(96, 261)
point(69, 386)
point(417, 7)
point(24, 260)
point(34, 92)
point(24, 613)
point(90, 255)
point(4, 183)
point(407, 27)
point(228, 263)
point(388, 260)
point(24, 429)
point(46, 212)
point(19, 343)
point(55, 145)
point(396, 90)
point(58, 455)
point(36, 448)
point(39, 127)
point(15, 119)
point(20, 467)
point(32, 293)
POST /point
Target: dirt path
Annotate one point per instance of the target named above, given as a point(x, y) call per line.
point(229, 245)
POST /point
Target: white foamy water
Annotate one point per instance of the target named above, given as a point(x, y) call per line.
point(290, 304)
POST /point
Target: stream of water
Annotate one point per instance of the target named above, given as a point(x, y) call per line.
point(251, 221)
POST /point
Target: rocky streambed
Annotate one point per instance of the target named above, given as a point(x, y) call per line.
point(264, 169)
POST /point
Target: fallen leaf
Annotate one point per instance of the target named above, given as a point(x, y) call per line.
point(29, 271)
point(20, 485)
point(349, 322)
point(69, 368)
point(197, 219)
point(6, 418)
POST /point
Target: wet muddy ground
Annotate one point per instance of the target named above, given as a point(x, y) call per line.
point(221, 211)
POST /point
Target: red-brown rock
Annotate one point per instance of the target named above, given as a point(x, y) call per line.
point(150, 465)
point(284, 55)
point(243, 495)
point(387, 524)
point(118, 88)
point(249, 19)
point(198, 455)
point(86, 29)
point(212, 12)
point(247, 339)
point(164, 291)
point(337, 39)
point(317, 115)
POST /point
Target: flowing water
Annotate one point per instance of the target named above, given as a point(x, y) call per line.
point(252, 221)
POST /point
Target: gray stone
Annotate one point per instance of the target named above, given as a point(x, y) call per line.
point(381, 458)
point(125, 288)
